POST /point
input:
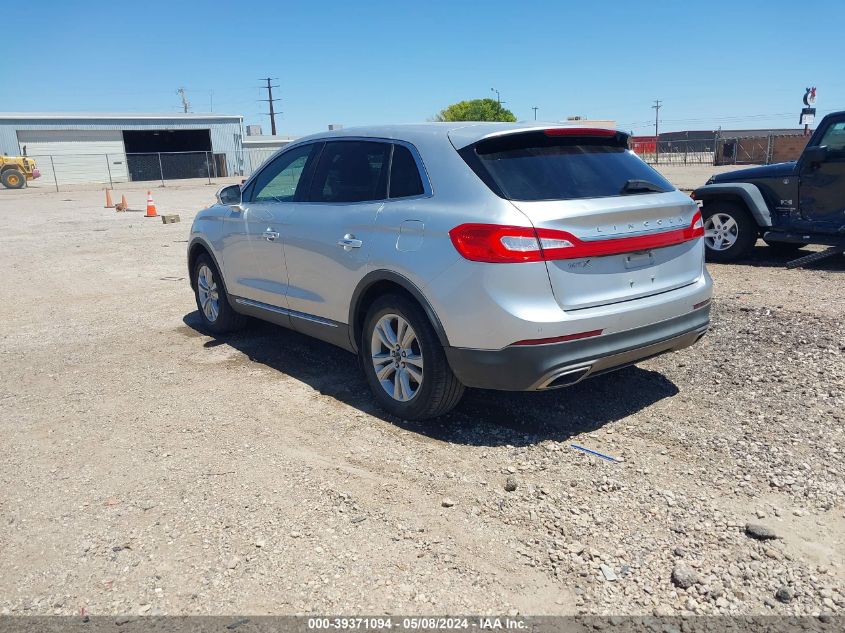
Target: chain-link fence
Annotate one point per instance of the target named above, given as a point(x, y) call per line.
point(759, 150)
point(682, 152)
point(718, 150)
point(59, 170)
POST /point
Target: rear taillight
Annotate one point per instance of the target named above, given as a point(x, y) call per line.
point(696, 226)
point(493, 243)
point(496, 244)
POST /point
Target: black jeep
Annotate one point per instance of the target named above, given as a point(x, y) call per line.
point(789, 204)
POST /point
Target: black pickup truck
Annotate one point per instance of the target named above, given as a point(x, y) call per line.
point(789, 204)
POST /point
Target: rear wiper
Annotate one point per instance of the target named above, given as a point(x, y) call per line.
point(638, 186)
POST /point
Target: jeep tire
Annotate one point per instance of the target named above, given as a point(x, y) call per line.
point(729, 231)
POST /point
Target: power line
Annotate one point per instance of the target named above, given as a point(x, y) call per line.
point(733, 118)
point(270, 100)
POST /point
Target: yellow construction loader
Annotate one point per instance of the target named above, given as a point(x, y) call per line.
point(15, 171)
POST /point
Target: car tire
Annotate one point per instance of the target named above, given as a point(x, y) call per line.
point(411, 378)
point(216, 313)
point(785, 248)
point(729, 231)
point(13, 179)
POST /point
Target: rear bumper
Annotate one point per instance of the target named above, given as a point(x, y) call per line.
point(531, 368)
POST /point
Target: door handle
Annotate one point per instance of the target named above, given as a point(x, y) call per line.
point(271, 236)
point(349, 242)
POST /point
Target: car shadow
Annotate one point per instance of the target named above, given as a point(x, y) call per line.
point(764, 255)
point(483, 418)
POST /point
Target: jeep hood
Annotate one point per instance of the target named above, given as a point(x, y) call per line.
point(775, 170)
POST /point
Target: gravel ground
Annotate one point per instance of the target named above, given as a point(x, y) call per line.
point(688, 177)
point(152, 469)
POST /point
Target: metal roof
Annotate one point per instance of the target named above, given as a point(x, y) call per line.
point(117, 115)
point(790, 131)
point(255, 138)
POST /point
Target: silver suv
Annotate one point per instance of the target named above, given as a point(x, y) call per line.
point(500, 256)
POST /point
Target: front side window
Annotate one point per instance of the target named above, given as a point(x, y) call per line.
point(351, 171)
point(279, 181)
point(834, 137)
point(405, 178)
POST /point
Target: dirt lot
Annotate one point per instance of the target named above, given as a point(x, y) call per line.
point(149, 468)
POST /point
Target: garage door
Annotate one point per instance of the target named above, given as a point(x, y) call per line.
point(77, 155)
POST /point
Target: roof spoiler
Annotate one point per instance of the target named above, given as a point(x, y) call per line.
point(464, 137)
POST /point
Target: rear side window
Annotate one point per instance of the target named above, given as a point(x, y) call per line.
point(405, 178)
point(351, 171)
point(534, 166)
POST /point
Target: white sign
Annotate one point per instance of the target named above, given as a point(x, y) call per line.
point(808, 115)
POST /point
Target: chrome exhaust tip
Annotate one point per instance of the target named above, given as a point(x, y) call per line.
point(566, 378)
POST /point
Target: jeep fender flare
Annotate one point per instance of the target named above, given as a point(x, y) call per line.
point(746, 192)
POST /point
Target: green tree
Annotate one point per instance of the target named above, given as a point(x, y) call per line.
point(475, 110)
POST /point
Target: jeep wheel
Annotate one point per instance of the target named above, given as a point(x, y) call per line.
point(217, 315)
point(404, 362)
point(13, 179)
point(729, 232)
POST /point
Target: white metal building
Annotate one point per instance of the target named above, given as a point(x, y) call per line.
point(114, 147)
point(258, 149)
point(267, 142)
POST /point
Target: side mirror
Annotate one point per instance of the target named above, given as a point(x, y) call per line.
point(230, 196)
point(816, 154)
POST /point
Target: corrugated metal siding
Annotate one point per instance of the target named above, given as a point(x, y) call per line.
point(76, 156)
point(225, 133)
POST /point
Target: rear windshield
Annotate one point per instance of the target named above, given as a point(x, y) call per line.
point(533, 166)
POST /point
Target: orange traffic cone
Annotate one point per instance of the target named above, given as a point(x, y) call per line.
point(151, 206)
point(122, 205)
point(109, 204)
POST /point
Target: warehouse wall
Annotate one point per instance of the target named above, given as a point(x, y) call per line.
point(225, 132)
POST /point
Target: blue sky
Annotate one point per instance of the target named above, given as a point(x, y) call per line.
point(713, 63)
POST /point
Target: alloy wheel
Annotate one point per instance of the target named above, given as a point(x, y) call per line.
point(208, 294)
point(720, 232)
point(397, 357)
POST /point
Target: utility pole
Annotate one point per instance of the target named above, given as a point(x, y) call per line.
point(270, 100)
point(657, 105)
point(499, 102)
point(535, 112)
point(185, 104)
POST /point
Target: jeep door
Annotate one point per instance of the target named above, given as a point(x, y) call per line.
point(822, 186)
point(329, 235)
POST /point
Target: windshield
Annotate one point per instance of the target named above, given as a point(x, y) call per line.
point(534, 166)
